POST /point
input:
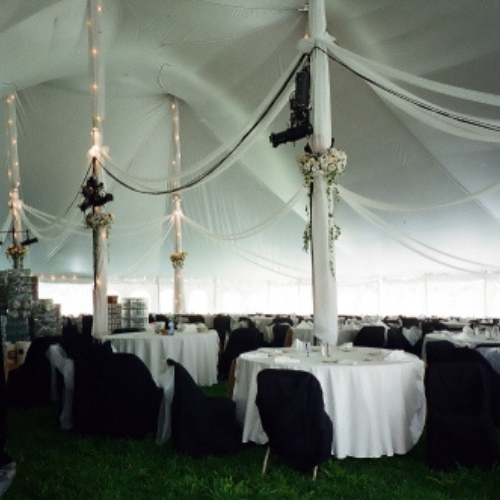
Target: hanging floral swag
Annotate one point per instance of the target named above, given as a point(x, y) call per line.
point(99, 219)
point(16, 252)
point(331, 165)
point(178, 259)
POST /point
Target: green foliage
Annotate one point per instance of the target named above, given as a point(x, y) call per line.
point(53, 464)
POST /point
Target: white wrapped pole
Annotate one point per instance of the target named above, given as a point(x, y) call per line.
point(17, 250)
point(99, 230)
point(324, 282)
point(179, 255)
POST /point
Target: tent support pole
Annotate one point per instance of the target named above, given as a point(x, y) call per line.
point(324, 281)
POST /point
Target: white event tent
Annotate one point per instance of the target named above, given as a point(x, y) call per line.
point(415, 104)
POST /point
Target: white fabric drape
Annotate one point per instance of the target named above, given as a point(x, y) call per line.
point(324, 285)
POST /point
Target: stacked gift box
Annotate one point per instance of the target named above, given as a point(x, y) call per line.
point(114, 313)
point(46, 318)
point(16, 301)
point(134, 313)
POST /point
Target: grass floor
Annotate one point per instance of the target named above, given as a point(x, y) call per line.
point(52, 464)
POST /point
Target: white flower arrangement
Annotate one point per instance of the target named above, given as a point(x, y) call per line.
point(99, 220)
point(16, 251)
point(178, 259)
point(331, 165)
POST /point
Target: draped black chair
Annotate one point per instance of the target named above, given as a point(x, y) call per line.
point(240, 340)
point(222, 323)
point(280, 331)
point(397, 340)
point(114, 393)
point(460, 429)
point(282, 319)
point(464, 354)
point(201, 425)
point(370, 336)
point(7, 464)
point(292, 412)
point(196, 318)
point(439, 350)
point(30, 384)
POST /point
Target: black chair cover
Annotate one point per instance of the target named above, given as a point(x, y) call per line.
point(370, 336)
point(202, 425)
point(460, 429)
point(464, 354)
point(240, 340)
point(114, 393)
point(292, 412)
point(439, 350)
point(222, 323)
point(279, 334)
point(397, 340)
point(30, 384)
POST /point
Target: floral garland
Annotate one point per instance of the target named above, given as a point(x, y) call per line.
point(178, 259)
point(331, 165)
point(16, 251)
point(96, 220)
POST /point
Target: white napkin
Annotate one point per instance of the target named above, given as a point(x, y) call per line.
point(412, 334)
point(347, 346)
point(398, 355)
point(468, 330)
point(461, 336)
point(201, 327)
point(298, 344)
point(285, 360)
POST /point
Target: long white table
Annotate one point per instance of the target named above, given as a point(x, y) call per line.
point(377, 405)
point(197, 352)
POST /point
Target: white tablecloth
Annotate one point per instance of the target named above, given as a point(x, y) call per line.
point(197, 352)
point(377, 406)
point(457, 338)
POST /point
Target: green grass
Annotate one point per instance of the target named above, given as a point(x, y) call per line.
point(52, 464)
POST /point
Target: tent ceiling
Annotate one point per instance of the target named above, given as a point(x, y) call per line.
point(220, 59)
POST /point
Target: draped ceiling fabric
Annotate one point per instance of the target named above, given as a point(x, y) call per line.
point(414, 103)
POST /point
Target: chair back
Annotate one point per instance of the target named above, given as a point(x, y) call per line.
point(201, 425)
point(370, 336)
point(292, 412)
point(460, 428)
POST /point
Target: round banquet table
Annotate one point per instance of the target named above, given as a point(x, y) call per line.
point(375, 397)
point(460, 339)
point(197, 352)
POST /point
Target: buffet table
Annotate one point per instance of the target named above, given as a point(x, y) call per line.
point(374, 397)
point(197, 352)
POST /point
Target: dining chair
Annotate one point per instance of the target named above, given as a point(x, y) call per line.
point(439, 350)
point(114, 393)
point(292, 413)
point(240, 340)
point(280, 331)
point(465, 354)
point(460, 429)
point(397, 340)
point(201, 425)
point(370, 336)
